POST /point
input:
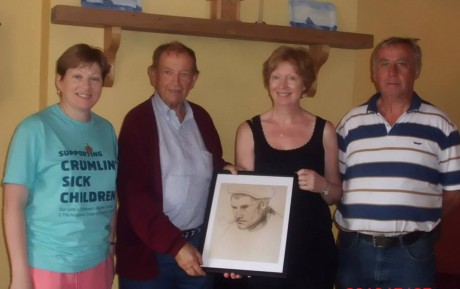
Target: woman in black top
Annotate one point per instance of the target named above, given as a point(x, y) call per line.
point(288, 140)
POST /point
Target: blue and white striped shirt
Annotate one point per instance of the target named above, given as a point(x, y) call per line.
point(394, 176)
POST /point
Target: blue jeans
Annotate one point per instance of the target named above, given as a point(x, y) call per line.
point(361, 265)
point(171, 275)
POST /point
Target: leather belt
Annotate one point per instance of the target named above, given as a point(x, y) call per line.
point(394, 241)
point(187, 234)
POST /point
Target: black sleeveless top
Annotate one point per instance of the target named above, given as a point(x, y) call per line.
point(308, 208)
point(311, 252)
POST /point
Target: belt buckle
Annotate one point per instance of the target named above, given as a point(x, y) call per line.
point(190, 233)
point(378, 241)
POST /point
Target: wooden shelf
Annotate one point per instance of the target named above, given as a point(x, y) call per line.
point(72, 15)
point(114, 21)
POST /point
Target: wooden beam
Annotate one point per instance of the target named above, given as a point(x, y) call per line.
point(112, 37)
point(225, 10)
point(135, 21)
point(320, 54)
point(113, 21)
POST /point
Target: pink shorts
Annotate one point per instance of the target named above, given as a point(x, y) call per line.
point(99, 277)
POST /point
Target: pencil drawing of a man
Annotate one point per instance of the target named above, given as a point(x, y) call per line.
point(254, 234)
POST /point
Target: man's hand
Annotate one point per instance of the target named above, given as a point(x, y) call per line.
point(189, 259)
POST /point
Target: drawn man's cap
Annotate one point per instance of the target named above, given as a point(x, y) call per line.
point(255, 191)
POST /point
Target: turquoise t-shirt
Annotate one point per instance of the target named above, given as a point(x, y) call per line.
point(69, 168)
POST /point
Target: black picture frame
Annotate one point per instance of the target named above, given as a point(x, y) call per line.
point(236, 237)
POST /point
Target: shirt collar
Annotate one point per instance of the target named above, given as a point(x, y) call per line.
point(414, 106)
point(167, 112)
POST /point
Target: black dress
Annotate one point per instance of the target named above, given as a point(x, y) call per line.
point(311, 251)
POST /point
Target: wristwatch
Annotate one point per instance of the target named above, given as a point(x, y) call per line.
point(325, 192)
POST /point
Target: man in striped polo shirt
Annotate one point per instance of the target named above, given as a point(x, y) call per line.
point(400, 164)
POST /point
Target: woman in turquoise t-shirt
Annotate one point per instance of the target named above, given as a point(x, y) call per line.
point(59, 184)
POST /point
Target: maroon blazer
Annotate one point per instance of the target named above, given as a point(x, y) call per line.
point(142, 227)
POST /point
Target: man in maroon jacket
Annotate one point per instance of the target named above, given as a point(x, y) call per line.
point(168, 149)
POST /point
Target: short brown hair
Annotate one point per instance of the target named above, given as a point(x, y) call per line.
point(79, 54)
point(299, 57)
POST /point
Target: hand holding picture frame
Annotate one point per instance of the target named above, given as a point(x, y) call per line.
point(246, 224)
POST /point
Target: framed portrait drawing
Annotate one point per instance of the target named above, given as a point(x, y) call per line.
point(246, 224)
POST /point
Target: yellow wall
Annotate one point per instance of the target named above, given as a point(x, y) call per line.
point(20, 40)
point(436, 24)
point(230, 85)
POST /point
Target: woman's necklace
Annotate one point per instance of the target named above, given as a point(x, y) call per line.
point(282, 130)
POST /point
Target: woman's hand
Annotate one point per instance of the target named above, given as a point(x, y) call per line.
point(310, 180)
point(233, 169)
point(232, 275)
